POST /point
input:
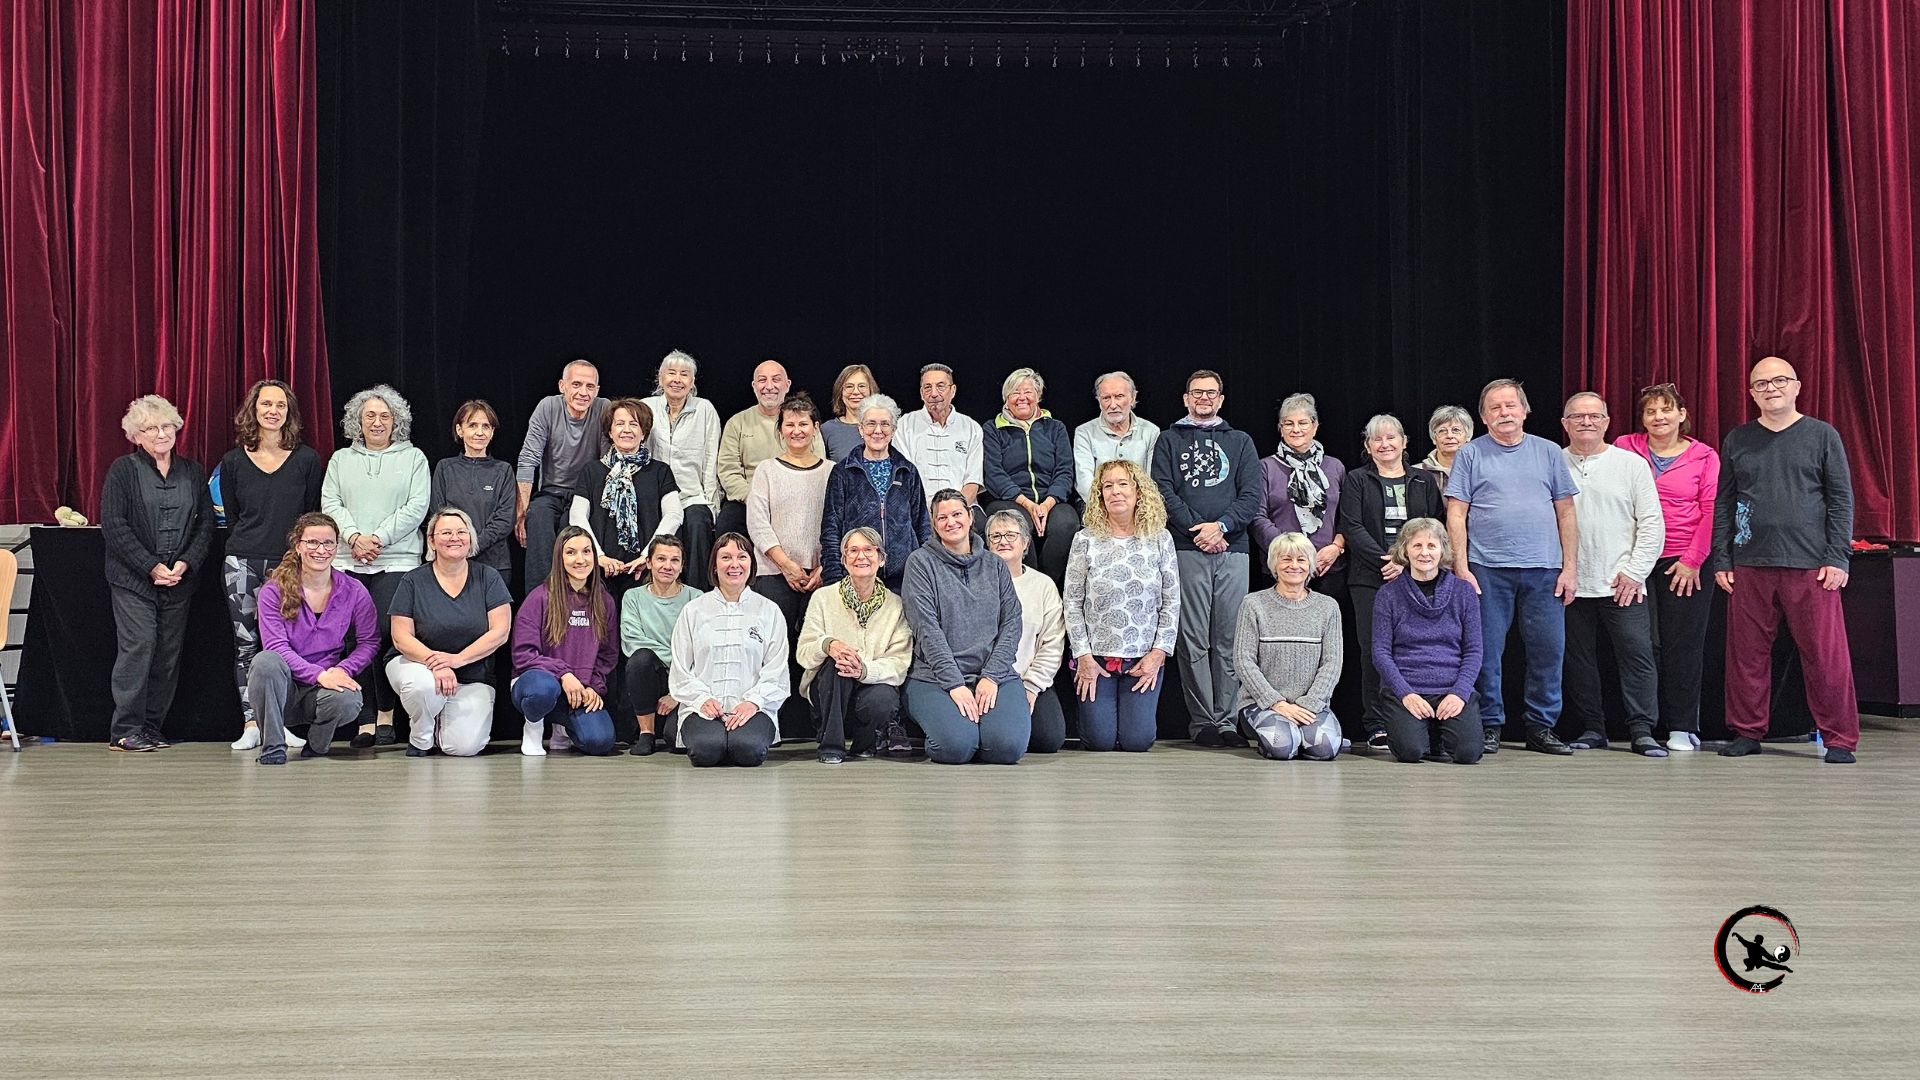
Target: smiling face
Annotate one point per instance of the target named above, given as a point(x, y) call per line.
point(1118, 495)
point(1423, 555)
point(1298, 430)
point(771, 385)
point(270, 409)
point(862, 558)
point(1387, 446)
point(1449, 437)
point(796, 430)
point(376, 424)
point(1116, 401)
point(676, 381)
point(1293, 569)
point(577, 559)
point(1024, 402)
point(852, 393)
point(475, 433)
point(1585, 422)
point(876, 430)
point(316, 547)
point(157, 438)
point(1203, 398)
point(1660, 418)
point(579, 385)
point(625, 431)
point(451, 538)
point(733, 566)
point(1775, 386)
point(952, 523)
point(1008, 541)
point(936, 392)
point(1504, 415)
point(664, 565)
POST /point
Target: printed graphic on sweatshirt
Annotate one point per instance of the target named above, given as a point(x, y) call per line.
point(1203, 463)
point(1742, 522)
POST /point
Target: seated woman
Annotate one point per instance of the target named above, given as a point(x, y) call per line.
point(854, 647)
point(448, 619)
point(565, 643)
point(1287, 652)
point(877, 488)
point(1122, 609)
point(1426, 644)
point(966, 622)
point(729, 669)
point(1028, 459)
point(647, 618)
point(304, 675)
point(1043, 631)
point(627, 498)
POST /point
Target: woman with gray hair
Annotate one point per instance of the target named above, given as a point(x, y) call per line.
point(1450, 427)
point(1027, 456)
point(686, 435)
point(1043, 631)
point(854, 647)
point(156, 521)
point(1301, 482)
point(1427, 648)
point(878, 487)
point(376, 489)
point(1287, 651)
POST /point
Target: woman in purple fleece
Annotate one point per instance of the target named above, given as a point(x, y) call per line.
point(1426, 644)
point(565, 643)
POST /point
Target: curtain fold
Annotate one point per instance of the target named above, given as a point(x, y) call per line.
point(1739, 182)
point(158, 196)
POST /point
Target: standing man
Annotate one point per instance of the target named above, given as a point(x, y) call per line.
point(564, 434)
point(943, 443)
point(1209, 475)
point(1510, 520)
point(1622, 530)
point(1116, 433)
point(1782, 540)
point(750, 437)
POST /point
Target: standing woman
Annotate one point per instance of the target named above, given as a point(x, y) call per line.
point(1287, 652)
point(647, 618)
point(1028, 462)
point(565, 644)
point(876, 488)
point(1450, 427)
point(1301, 484)
point(855, 648)
point(156, 520)
point(966, 621)
point(305, 674)
point(626, 498)
point(1686, 474)
point(449, 617)
point(784, 504)
point(266, 482)
point(684, 432)
point(1122, 609)
point(1376, 500)
point(1427, 648)
point(480, 484)
point(729, 665)
point(842, 433)
point(376, 488)
point(1043, 632)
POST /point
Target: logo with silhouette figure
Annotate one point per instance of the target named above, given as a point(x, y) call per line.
point(1747, 958)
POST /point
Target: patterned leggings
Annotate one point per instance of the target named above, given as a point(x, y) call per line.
point(243, 578)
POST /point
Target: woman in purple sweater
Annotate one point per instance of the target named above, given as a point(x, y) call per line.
point(565, 643)
point(1426, 645)
point(307, 612)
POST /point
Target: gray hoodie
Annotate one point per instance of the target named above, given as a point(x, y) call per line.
point(965, 616)
point(382, 493)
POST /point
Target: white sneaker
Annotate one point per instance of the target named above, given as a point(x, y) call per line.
point(561, 741)
point(249, 739)
point(1682, 740)
point(530, 739)
point(295, 742)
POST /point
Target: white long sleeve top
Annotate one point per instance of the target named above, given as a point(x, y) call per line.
point(730, 651)
point(1621, 525)
point(691, 448)
point(1043, 630)
point(947, 455)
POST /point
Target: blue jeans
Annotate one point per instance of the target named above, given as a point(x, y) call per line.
point(1000, 738)
point(537, 695)
point(1523, 595)
point(1118, 717)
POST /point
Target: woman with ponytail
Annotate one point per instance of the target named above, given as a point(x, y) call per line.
point(305, 673)
point(565, 643)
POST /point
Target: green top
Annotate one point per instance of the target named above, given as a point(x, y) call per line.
point(646, 620)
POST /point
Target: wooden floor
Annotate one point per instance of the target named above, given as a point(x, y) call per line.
point(1189, 913)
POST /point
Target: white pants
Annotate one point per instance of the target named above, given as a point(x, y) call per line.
point(463, 720)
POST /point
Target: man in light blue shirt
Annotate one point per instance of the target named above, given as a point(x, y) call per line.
point(1510, 520)
point(1115, 434)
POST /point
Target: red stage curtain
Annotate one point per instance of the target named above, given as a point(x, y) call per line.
point(1739, 183)
point(157, 230)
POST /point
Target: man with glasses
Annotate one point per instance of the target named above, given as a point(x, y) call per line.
point(1621, 532)
point(564, 435)
point(1782, 540)
point(1209, 475)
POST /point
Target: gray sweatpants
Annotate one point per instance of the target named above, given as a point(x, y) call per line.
point(278, 698)
point(1211, 589)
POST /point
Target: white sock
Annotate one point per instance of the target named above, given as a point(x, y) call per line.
point(530, 739)
point(1682, 740)
point(249, 738)
point(295, 742)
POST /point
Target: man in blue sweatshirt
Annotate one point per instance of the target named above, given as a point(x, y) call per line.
point(1209, 475)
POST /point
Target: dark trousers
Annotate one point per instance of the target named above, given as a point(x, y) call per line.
point(1523, 597)
point(1679, 645)
point(999, 738)
point(796, 719)
point(381, 587)
point(1046, 553)
point(280, 701)
point(1411, 738)
point(546, 516)
point(1374, 713)
point(708, 741)
point(643, 684)
point(1630, 630)
point(1762, 596)
point(842, 704)
point(696, 531)
point(1118, 718)
point(1049, 723)
point(732, 516)
point(150, 626)
point(539, 696)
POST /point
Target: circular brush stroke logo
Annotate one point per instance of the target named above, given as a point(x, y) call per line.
point(1760, 958)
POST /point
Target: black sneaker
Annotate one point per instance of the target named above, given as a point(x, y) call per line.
point(1741, 746)
point(308, 751)
point(1233, 739)
point(833, 757)
point(383, 735)
point(1377, 742)
point(1544, 741)
point(136, 743)
point(1591, 740)
point(414, 751)
point(1437, 757)
point(1490, 742)
point(1209, 737)
point(643, 745)
point(157, 739)
point(362, 740)
point(1837, 756)
point(272, 757)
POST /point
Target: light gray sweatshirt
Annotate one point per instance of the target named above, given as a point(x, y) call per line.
point(965, 615)
point(382, 493)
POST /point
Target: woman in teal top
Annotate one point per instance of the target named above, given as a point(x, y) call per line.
point(647, 614)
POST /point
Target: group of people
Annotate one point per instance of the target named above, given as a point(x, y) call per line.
point(688, 581)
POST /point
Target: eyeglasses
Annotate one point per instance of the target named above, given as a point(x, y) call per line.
point(319, 545)
point(1203, 395)
point(159, 429)
point(876, 425)
point(1666, 388)
point(1778, 382)
point(1586, 417)
point(1004, 537)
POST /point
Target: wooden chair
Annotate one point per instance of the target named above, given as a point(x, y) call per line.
point(9, 574)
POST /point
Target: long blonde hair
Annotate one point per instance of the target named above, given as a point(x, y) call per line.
point(1149, 514)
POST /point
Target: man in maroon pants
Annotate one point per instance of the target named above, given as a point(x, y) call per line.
point(1782, 533)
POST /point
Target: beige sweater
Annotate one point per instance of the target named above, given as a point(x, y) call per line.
point(885, 645)
point(749, 438)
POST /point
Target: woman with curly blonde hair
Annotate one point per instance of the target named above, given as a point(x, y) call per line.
point(1123, 608)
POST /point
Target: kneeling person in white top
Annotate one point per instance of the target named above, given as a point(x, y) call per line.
point(729, 668)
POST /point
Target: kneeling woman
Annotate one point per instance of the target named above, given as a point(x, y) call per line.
point(1043, 631)
point(565, 644)
point(854, 647)
point(448, 619)
point(729, 669)
point(303, 674)
point(966, 622)
point(1426, 643)
point(1287, 652)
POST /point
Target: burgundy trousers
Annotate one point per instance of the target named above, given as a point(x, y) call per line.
point(1762, 596)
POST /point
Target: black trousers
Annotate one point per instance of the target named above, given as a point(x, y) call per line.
point(381, 587)
point(150, 626)
point(732, 517)
point(1049, 721)
point(546, 516)
point(709, 743)
point(1679, 645)
point(696, 530)
point(643, 684)
point(796, 719)
point(1630, 630)
point(1375, 715)
point(848, 705)
point(1411, 738)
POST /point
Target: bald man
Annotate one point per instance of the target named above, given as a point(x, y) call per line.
point(750, 437)
point(1782, 540)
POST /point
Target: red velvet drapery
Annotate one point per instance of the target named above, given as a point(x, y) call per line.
point(158, 230)
point(1740, 182)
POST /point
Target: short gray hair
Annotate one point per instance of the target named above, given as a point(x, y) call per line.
point(676, 357)
point(1289, 543)
point(936, 367)
point(1449, 414)
point(881, 402)
point(1300, 403)
point(1506, 384)
point(1378, 421)
point(149, 410)
point(1132, 389)
point(1421, 526)
point(1019, 519)
point(397, 405)
point(1571, 398)
point(1019, 376)
point(578, 361)
point(871, 536)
